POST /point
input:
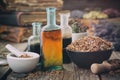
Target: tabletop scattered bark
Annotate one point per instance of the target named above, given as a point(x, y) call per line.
point(69, 71)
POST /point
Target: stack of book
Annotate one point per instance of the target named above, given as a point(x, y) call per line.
point(24, 12)
point(33, 5)
point(26, 18)
point(15, 33)
point(15, 23)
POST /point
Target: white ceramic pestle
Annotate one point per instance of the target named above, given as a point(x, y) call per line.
point(13, 50)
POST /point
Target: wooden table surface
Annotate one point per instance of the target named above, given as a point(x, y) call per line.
point(69, 72)
point(4, 69)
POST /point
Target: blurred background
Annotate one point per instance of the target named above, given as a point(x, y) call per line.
point(102, 18)
point(16, 16)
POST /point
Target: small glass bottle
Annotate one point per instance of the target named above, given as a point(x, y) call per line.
point(66, 34)
point(34, 39)
point(51, 42)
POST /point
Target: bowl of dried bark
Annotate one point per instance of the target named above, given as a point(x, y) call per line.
point(89, 50)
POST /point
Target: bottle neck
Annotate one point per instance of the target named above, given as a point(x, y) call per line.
point(36, 28)
point(64, 19)
point(51, 16)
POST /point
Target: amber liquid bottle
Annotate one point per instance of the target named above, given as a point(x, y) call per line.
point(51, 43)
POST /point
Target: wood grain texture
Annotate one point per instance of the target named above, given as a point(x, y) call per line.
point(69, 72)
point(3, 70)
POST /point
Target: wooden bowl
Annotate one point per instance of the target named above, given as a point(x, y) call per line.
point(85, 59)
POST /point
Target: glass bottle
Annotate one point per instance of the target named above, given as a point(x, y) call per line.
point(34, 39)
point(51, 42)
point(66, 34)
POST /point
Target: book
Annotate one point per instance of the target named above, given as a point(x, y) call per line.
point(10, 18)
point(25, 18)
point(34, 5)
point(32, 1)
point(15, 33)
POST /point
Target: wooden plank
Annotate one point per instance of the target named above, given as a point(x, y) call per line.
point(70, 72)
point(3, 71)
point(85, 74)
point(112, 75)
point(115, 55)
point(38, 75)
point(68, 75)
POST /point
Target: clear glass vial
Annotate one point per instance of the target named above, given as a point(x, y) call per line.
point(66, 34)
point(34, 39)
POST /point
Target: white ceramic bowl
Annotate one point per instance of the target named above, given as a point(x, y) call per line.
point(23, 65)
point(76, 36)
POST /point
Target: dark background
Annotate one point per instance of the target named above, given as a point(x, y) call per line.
point(82, 4)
